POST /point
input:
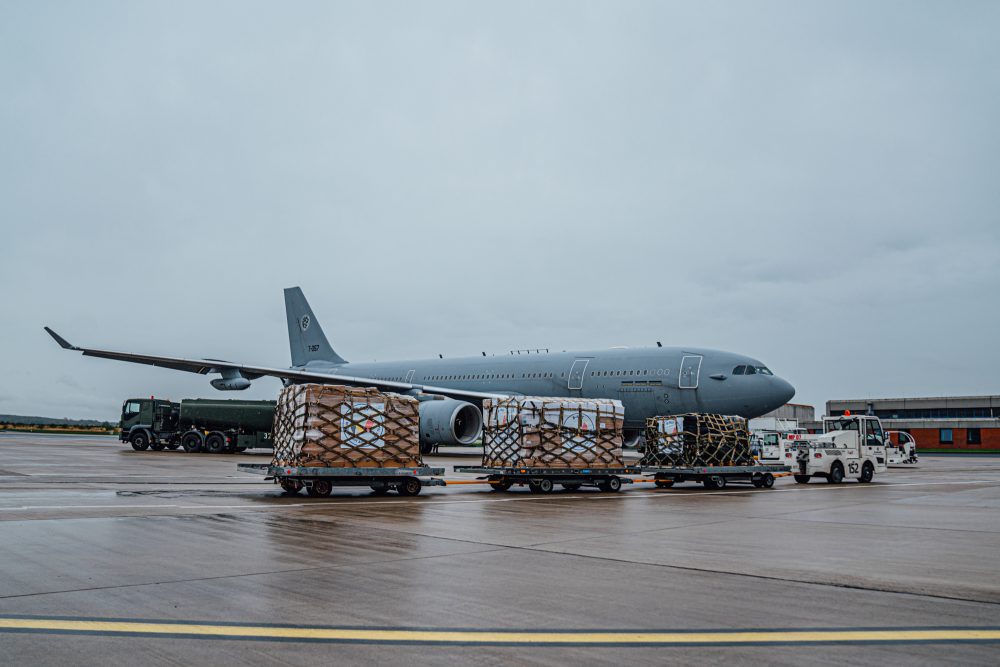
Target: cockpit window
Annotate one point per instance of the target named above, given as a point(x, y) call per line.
point(764, 370)
point(751, 370)
point(740, 370)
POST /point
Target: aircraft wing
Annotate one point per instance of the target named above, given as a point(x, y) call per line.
point(206, 366)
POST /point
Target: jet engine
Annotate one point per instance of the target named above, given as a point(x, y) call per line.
point(449, 422)
point(231, 380)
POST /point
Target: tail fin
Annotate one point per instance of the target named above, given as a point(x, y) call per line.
point(305, 336)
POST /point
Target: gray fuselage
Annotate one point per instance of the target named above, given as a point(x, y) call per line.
point(648, 381)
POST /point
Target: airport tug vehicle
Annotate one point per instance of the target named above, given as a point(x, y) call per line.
point(901, 448)
point(850, 447)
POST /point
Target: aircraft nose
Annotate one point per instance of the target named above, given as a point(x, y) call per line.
point(784, 389)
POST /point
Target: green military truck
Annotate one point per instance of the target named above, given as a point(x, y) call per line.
point(197, 424)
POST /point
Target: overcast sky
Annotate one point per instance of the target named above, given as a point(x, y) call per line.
point(814, 184)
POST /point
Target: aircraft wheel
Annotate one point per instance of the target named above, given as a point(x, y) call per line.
point(320, 488)
point(836, 475)
point(292, 486)
point(802, 479)
point(139, 441)
point(768, 480)
point(867, 472)
point(409, 487)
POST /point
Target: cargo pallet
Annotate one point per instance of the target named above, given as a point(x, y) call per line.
point(319, 482)
point(716, 477)
point(542, 480)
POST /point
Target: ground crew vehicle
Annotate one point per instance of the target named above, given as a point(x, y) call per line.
point(776, 447)
point(850, 447)
point(901, 448)
point(197, 424)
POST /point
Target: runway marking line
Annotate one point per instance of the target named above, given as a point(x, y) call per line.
point(501, 637)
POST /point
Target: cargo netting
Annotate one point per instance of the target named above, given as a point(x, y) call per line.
point(552, 433)
point(697, 440)
point(333, 426)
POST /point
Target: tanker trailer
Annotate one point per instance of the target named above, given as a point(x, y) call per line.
point(197, 424)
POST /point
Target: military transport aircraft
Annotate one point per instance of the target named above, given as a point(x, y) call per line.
point(648, 381)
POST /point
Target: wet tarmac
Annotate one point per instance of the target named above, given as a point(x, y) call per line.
point(109, 556)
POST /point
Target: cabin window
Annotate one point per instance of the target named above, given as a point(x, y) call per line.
point(973, 436)
point(945, 436)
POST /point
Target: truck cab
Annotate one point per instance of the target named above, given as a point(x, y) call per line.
point(148, 423)
point(850, 447)
point(777, 447)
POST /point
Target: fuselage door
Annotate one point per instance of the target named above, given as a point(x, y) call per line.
point(409, 376)
point(576, 374)
point(690, 369)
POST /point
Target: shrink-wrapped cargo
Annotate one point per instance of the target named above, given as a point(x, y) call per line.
point(539, 432)
point(331, 426)
point(697, 440)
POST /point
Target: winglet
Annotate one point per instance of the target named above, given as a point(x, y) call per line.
point(63, 343)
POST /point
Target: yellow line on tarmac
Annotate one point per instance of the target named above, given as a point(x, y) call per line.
point(498, 636)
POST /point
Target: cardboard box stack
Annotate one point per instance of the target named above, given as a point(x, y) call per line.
point(331, 426)
point(697, 440)
point(541, 432)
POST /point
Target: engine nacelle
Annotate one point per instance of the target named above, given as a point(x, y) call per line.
point(449, 422)
point(231, 380)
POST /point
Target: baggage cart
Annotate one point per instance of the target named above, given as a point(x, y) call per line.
point(319, 482)
point(543, 480)
point(716, 477)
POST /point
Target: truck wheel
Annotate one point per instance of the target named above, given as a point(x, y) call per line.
point(156, 446)
point(292, 486)
point(768, 480)
point(867, 472)
point(139, 441)
point(320, 488)
point(409, 487)
point(191, 442)
point(802, 479)
point(836, 475)
point(215, 443)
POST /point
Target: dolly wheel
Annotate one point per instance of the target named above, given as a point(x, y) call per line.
point(613, 484)
point(409, 487)
point(664, 483)
point(292, 486)
point(320, 488)
point(768, 480)
point(545, 485)
point(757, 480)
point(500, 485)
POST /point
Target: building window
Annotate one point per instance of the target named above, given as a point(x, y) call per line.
point(973, 437)
point(944, 436)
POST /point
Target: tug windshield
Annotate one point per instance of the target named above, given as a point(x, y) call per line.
point(846, 424)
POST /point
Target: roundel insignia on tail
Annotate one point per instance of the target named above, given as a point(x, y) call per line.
point(304, 322)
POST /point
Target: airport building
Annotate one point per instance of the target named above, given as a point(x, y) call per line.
point(943, 422)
